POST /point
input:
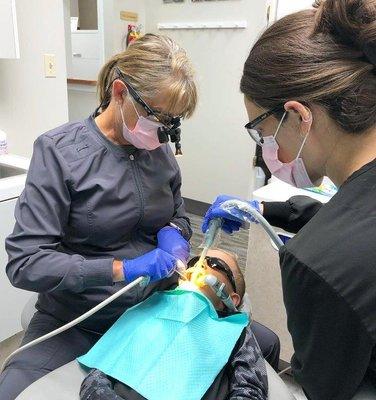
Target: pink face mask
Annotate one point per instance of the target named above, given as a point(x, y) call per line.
point(294, 172)
point(144, 135)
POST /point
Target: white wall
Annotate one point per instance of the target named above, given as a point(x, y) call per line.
point(286, 7)
point(114, 27)
point(217, 151)
point(30, 104)
point(82, 103)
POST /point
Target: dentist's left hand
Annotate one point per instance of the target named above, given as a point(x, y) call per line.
point(171, 241)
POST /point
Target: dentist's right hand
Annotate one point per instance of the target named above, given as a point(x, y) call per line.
point(156, 264)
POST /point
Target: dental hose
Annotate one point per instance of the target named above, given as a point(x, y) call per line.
point(268, 228)
point(76, 321)
point(248, 209)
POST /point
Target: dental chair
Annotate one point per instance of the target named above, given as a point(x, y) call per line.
point(65, 382)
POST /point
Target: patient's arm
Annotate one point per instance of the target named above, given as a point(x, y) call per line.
point(97, 386)
point(248, 379)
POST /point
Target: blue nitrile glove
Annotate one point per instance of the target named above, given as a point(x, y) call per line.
point(157, 264)
point(171, 241)
point(231, 223)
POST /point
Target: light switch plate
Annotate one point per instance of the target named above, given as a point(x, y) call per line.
point(49, 65)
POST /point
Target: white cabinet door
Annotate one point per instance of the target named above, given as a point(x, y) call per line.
point(85, 55)
point(86, 69)
point(9, 47)
point(87, 45)
point(12, 300)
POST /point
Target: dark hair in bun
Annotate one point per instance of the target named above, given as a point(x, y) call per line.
point(351, 22)
point(324, 56)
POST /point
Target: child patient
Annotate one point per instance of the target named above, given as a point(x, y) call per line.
point(244, 374)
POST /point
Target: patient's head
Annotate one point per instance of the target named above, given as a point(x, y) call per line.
point(226, 269)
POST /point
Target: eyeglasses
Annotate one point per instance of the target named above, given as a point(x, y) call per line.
point(254, 133)
point(161, 117)
point(218, 265)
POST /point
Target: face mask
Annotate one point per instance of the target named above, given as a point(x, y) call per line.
point(294, 172)
point(144, 135)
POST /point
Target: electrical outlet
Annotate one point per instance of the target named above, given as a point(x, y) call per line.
point(49, 65)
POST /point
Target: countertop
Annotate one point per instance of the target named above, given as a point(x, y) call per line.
point(12, 187)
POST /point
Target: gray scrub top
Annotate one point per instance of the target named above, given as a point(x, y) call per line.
point(86, 202)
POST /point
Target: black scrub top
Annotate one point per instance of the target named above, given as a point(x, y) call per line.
point(329, 286)
point(87, 202)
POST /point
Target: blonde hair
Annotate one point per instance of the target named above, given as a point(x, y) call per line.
point(152, 64)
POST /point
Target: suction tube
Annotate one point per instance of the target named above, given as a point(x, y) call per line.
point(247, 213)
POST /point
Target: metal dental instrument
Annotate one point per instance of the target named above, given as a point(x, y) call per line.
point(180, 270)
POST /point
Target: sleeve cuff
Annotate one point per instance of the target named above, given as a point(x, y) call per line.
point(277, 213)
point(98, 272)
point(183, 224)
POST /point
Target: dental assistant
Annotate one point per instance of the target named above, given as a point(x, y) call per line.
point(309, 86)
point(102, 206)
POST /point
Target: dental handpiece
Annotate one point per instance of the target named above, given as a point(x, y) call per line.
point(180, 269)
point(210, 235)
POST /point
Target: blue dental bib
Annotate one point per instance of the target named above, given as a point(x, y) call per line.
point(171, 346)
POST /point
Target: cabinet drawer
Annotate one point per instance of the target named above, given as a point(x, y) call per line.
point(86, 45)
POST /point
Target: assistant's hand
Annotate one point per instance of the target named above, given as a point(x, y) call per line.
point(157, 264)
point(171, 241)
point(231, 222)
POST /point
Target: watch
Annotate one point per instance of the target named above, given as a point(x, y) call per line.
point(176, 227)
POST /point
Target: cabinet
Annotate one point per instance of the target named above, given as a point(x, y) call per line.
point(85, 52)
point(9, 47)
point(86, 55)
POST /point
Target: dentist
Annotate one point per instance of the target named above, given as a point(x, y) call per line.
point(102, 206)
